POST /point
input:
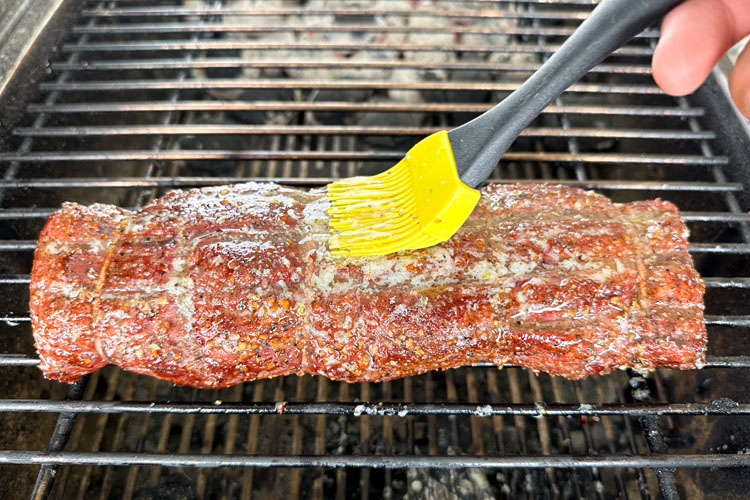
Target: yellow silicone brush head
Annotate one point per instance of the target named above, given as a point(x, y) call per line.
point(417, 203)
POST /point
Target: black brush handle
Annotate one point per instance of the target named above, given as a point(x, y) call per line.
point(479, 144)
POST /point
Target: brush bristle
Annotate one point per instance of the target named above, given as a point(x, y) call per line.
point(375, 215)
point(419, 202)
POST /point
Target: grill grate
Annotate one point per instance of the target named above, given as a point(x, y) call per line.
point(145, 98)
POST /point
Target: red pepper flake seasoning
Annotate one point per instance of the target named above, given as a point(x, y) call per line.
point(417, 267)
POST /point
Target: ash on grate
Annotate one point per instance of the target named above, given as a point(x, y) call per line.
point(464, 484)
point(173, 486)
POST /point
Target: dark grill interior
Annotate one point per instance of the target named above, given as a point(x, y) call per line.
point(143, 97)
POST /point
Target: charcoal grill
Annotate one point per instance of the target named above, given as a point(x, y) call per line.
point(142, 97)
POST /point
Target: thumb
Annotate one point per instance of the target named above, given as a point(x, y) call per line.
point(694, 37)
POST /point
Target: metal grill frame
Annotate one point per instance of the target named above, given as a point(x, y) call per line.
point(730, 134)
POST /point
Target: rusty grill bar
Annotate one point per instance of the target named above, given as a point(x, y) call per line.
point(144, 98)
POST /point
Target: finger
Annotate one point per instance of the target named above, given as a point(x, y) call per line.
point(694, 37)
point(739, 82)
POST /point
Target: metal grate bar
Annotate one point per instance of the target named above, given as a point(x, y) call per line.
point(364, 439)
point(428, 12)
point(25, 213)
point(91, 382)
point(380, 408)
point(229, 105)
point(604, 390)
point(57, 442)
point(161, 447)
point(519, 426)
point(342, 473)
point(296, 478)
point(141, 28)
point(184, 154)
point(727, 282)
point(715, 217)
point(207, 437)
point(96, 431)
point(132, 476)
point(166, 45)
point(599, 133)
point(154, 64)
point(251, 443)
point(722, 248)
point(557, 392)
point(432, 424)
point(119, 438)
point(589, 442)
point(724, 320)
point(657, 445)
point(15, 279)
point(544, 433)
point(372, 461)
point(643, 486)
point(320, 434)
point(288, 83)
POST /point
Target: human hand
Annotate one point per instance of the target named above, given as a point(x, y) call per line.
point(694, 36)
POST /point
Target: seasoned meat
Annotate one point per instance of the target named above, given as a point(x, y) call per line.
point(217, 286)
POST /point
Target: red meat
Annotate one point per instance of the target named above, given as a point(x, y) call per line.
point(217, 286)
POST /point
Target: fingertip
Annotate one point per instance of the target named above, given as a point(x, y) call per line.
point(739, 82)
point(693, 39)
point(674, 74)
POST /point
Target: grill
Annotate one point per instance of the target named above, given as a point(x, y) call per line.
point(143, 97)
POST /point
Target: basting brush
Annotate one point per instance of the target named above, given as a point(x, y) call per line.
point(426, 197)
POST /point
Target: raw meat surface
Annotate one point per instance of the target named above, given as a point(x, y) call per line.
point(221, 285)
